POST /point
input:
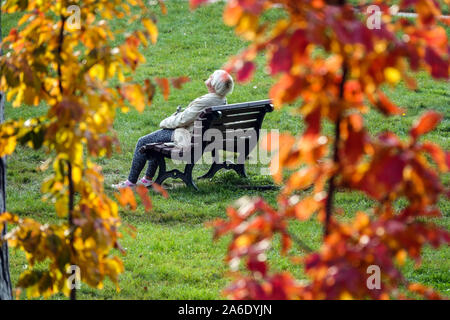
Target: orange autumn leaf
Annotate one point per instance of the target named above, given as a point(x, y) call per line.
point(163, 84)
point(143, 194)
point(270, 141)
point(133, 93)
point(438, 155)
point(426, 123)
point(301, 179)
point(160, 189)
point(126, 197)
point(279, 161)
point(232, 13)
point(305, 208)
point(163, 7)
point(177, 83)
point(386, 106)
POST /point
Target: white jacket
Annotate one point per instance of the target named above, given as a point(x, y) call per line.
point(183, 121)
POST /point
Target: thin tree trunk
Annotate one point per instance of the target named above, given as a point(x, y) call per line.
point(5, 280)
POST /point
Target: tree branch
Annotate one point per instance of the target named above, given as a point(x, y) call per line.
point(60, 45)
point(337, 138)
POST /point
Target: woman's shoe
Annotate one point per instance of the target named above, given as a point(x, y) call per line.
point(144, 182)
point(123, 184)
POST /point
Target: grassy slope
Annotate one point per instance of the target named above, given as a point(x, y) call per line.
point(173, 256)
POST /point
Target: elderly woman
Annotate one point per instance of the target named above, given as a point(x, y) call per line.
point(177, 128)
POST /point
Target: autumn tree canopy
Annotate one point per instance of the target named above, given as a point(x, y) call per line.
point(50, 60)
point(329, 63)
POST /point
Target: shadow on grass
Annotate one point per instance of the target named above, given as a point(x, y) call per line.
point(189, 206)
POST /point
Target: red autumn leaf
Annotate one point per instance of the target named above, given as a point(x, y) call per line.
point(355, 138)
point(426, 123)
point(281, 61)
point(352, 32)
point(195, 3)
point(354, 146)
point(252, 6)
point(257, 266)
point(163, 84)
point(383, 176)
point(313, 122)
point(245, 73)
point(298, 41)
point(439, 66)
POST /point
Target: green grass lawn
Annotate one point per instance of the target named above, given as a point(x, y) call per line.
point(173, 256)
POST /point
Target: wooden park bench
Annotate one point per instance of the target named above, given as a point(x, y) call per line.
point(233, 127)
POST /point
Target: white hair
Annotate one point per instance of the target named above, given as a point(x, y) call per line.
point(222, 82)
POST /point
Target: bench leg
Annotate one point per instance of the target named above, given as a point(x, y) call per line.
point(162, 173)
point(186, 176)
point(238, 168)
point(212, 171)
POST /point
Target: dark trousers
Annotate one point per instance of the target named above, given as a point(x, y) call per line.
point(139, 159)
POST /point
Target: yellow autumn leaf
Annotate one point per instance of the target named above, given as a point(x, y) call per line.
point(243, 241)
point(61, 206)
point(247, 26)
point(76, 174)
point(400, 257)
point(152, 29)
point(392, 75)
point(7, 146)
point(345, 295)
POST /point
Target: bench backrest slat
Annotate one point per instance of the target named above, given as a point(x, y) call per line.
point(237, 117)
point(246, 117)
